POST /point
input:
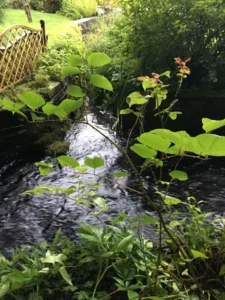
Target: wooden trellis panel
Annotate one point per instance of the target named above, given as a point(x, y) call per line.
point(20, 47)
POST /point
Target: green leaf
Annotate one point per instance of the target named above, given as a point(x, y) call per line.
point(143, 151)
point(136, 98)
point(144, 219)
point(173, 114)
point(31, 99)
point(68, 70)
point(198, 254)
point(132, 295)
point(68, 161)
point(148, 84)
point(11, 106)
point(154, 141)
point(59, 112)
point(18, 276)
point(75, 91)
point(36, 118)
point(101, 82)
point(180, 175)
point(65, 275)
point(179, 138)
point(121, 174)
point(94, 163)
point(75, 60)
point(222, 270)
point(70, 106)
point(126, 111)
point(174, 223)
point(53, 258)
point(49, 109)
point(124, 243)
point(210, 125)
point(100, 202)
point(4, 289)
point(44, 168)
point(208, 144)
point(81, 169)
point(98, 59)
point(167, 74)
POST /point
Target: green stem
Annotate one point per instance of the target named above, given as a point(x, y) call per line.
point(129, 136)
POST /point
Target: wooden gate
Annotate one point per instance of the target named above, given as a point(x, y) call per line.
point(20, 47)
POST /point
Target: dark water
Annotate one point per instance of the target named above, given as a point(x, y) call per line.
point(28, 220)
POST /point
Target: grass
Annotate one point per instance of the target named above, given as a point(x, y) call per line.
point(53, 22)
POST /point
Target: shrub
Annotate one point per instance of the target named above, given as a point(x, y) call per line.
point(152, 32)
point(52, 61)
point(16, 4)
point(75, 9)
point(37, 4)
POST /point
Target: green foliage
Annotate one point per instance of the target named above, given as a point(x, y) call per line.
point(76, 9)
point(46, 5)
point(3, 5)
point(187, 258)
point(52, 61)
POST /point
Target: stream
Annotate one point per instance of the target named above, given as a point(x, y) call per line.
point(30, 219)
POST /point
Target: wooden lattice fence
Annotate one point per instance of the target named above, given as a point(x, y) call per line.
point(20, 47)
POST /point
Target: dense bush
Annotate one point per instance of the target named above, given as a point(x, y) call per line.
point(150, 33)
point(49, 6)
point(49, 66)
point(75, 9)
point(16, 4)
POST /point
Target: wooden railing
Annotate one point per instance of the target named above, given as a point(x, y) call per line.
point(20, 47)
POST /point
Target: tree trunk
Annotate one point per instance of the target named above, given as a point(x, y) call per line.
point(27, 10)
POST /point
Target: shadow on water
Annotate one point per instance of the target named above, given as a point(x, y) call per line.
point(28, 220)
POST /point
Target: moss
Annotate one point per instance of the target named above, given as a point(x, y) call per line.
point(58, 148)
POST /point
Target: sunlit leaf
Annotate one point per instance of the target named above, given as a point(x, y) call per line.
point(65, 275)
point(70, 106)
point(180, 175)
point(101, 81)
point(124, 243)
point(198, 254)
point(81, 169)
point(31, 99)
point(100, 202)
point(173, 114)
point(132, 295)
point(49, 109)
point(98, 59)
point(126, 111)
point(154, 141)
point(69, 70)
point(121, 174)
point(75, 60)
point(143, 151)
point(67, 161)
point(94, 163)
point(167, 74)
point(36, 118)
point(44, 168)
point(53, 258)
point(136, 98)
point(75, 91)
point(210, 125)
